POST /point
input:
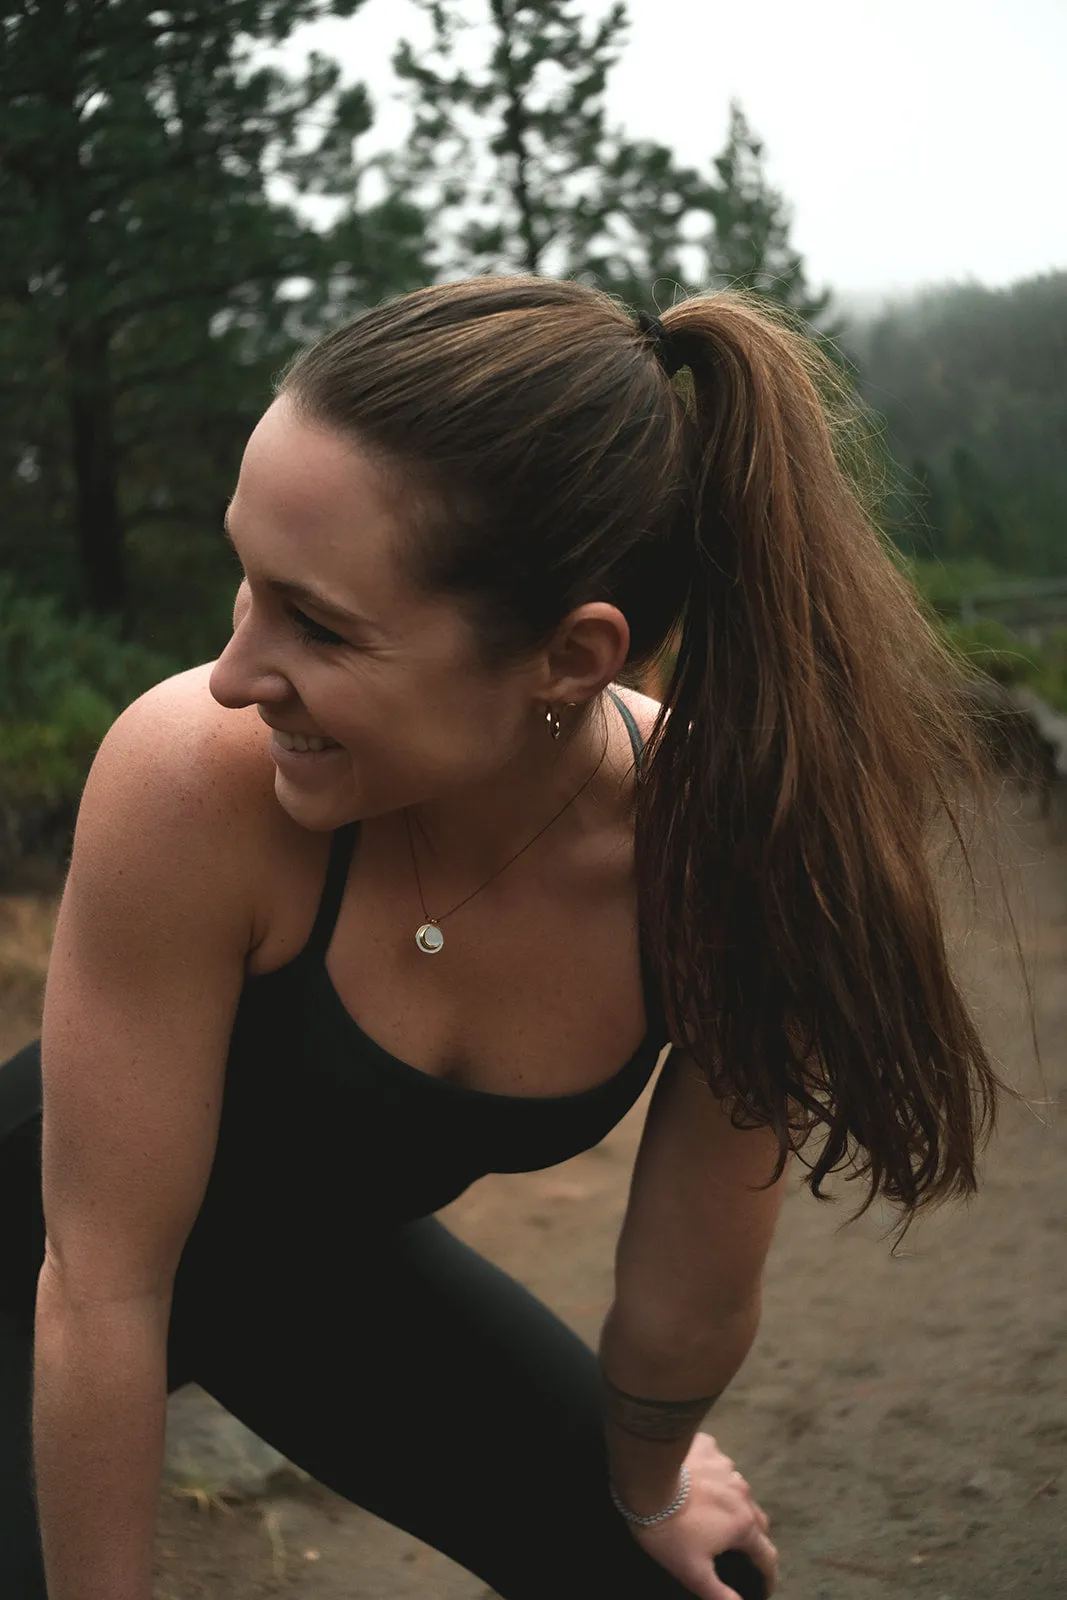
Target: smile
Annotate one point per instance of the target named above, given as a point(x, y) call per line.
point(303, 742)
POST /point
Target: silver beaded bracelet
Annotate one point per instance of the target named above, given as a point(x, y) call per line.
point(659, 1516)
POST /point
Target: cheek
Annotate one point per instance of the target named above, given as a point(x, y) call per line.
point(403, 755)
point(410, 728)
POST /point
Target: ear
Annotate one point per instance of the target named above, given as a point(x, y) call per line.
point(585, 654)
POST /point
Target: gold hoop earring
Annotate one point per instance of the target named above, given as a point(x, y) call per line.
point(552, 722)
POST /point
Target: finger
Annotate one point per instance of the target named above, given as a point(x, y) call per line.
point(760, 1549)
point(717, 1590)
point(742, 1485)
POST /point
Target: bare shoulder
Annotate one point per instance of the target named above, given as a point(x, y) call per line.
point(178, 729)
point(644, 708)
point(182, 787)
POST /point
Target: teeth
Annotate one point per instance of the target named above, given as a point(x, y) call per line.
point(301, 741)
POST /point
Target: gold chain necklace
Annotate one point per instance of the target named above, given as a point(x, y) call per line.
point(428, 937)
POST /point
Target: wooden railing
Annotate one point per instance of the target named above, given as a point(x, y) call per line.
point(1034, 607)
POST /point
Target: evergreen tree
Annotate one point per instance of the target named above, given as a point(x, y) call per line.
point(749, 245)
point(518, 162)
point(969, 382)
point(502, 156)
point(145, 269)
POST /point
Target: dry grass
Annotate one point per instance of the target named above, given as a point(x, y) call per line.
point(27, 922)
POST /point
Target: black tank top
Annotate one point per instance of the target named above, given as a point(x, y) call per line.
point(323, 1134)
point(319, 1119)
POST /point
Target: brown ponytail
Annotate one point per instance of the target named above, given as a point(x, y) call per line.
point(811, 733)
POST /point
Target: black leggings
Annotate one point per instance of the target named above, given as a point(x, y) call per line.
point(414, 1378)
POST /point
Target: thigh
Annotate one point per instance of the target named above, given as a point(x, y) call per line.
point(21, 1572)
point(21, 1252)
point(429, 1387)
point(21, 1217)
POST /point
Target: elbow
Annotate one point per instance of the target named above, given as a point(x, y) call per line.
point(102, 1344)
point(73, 1289)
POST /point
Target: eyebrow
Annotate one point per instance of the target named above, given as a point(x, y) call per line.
point(304, 593)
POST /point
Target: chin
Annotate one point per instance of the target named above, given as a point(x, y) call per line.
point(318, 813)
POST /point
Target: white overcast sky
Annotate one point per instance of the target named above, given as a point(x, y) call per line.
point(917, 141)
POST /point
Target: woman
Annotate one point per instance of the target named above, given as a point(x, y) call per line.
point(402, 890)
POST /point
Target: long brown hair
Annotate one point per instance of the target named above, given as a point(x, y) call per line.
point(812, 729)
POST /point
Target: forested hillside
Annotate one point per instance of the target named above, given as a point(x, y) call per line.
point(972, 383)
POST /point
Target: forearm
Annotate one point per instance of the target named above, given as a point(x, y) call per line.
point(656, 1393)
point(99, 1419)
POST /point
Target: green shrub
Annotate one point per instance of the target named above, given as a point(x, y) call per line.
point(63, 681)
point(990, 646)
point(43, 654)
point(1050, 681)
point(1010, 661)
point(994, 649)
point(944, 585)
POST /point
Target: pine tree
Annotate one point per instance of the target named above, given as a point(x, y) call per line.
point(504, 154)
point(748, 246)
point(145, 269)
point(517, 161)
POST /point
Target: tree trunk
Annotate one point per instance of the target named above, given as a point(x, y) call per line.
point(515, 139)
point(98, 525)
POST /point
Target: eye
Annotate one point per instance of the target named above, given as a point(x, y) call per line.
point(310, 631)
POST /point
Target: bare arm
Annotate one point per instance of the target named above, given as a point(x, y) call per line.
point(143, 984)
point(688, 1269)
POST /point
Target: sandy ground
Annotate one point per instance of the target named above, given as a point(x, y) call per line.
point(903, 1419)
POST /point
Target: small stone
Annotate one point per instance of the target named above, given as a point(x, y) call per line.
point(988, 1483)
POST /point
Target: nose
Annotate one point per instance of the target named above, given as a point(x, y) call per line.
point(242, 675)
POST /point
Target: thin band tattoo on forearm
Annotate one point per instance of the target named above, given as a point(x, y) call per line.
point(656, 1421)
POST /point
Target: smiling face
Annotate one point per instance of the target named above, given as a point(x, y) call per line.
point(333, 640)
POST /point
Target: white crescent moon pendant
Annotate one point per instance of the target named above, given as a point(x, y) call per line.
point(430, 939)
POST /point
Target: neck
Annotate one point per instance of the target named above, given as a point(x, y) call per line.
point(472, 832)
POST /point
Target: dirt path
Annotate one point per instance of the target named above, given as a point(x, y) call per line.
point(903, 1419)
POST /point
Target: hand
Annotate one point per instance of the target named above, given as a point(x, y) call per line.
point(720, 1514)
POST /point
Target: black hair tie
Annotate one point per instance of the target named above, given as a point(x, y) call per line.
point(664, 346)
